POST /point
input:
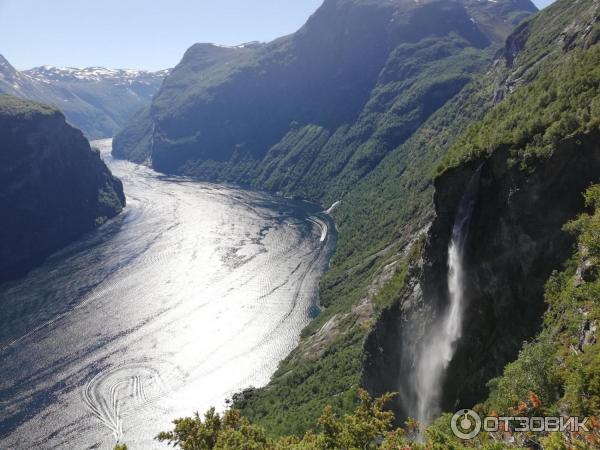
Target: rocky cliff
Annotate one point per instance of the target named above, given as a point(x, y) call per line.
point(53, 186)
point(515, 243)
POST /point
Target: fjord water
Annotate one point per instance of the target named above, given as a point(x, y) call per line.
point(195, 292)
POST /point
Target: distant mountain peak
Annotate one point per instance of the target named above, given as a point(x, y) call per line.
point(10, 78)
point(5, 66)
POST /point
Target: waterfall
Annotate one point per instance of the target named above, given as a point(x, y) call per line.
point(439, 347)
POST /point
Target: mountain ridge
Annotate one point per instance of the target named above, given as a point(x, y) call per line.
point(48, 74)
point(97, 100)
point(310, 69)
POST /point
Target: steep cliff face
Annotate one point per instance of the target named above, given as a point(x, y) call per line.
point(53, 187)
point(380, 167)
point(537, 152)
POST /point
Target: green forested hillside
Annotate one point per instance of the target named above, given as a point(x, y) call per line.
point(562, 102)
point(387, 209)
point(363, 75)
point(17, 107)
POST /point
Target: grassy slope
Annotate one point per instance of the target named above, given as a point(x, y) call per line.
point(377, 221)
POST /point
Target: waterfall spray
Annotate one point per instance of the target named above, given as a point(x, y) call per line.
point(439, 347)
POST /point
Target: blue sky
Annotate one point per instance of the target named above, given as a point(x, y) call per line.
point(542, 3)
point(139, 34)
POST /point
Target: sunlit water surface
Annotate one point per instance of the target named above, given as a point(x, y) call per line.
point(195, 292)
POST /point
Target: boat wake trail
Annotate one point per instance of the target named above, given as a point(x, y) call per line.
point(115, 394)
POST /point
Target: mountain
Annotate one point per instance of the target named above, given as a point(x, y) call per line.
point(360, 105)
point(97, 100)
point(53, 186)
point(317, 110)
point(199, 63)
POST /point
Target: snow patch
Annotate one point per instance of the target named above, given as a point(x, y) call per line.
point(253, 44)
point(48, 74)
